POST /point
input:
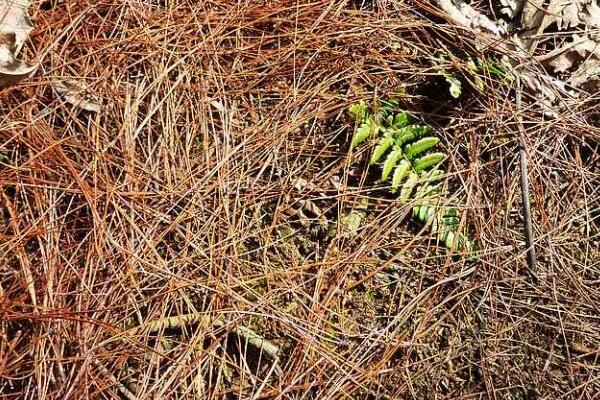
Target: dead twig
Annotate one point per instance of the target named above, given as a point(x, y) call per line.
point(529, 241)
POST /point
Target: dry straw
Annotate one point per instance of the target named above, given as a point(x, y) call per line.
point(177, 198)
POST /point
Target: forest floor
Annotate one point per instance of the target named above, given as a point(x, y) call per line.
point(209, 234)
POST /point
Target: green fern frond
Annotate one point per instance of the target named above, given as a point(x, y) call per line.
point(390, 162)
point(359, 111)
point(382, 147)
point(366, 130)
point(420, 146)
point(407, 148)
point(428, 160)
point(444, 223)
point(411, 133)
point(400, 174)
point(408, 187)
point(433, 175)
point(387, 107)
point(402, 120)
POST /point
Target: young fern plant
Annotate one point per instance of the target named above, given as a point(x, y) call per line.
point(406, 152)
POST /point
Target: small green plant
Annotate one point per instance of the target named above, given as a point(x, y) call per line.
point(472, 70)
point(406, 152)
point(454, 84)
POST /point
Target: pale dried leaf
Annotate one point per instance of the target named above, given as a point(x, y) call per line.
point(539, 86)
point(563, 58)
point(300, 184)
point(218, 105)
point(14, 20)
point(533, 14)
point(15, 27)
point(570, 17)
point(467, 16)
point(591, 15)
point(565, 13)
point(587, 73)
point(11, 69)
point(511, 8)
point(77, 94)
point(564, 62)
point(552, 14)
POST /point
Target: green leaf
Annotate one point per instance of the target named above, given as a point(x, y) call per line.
point(455, 88)
point(400, 173)
point(402, 120)
point(450, 239)
point(362, 133)
point(414, 149)
point(410, 133)
point(359, 111)
point(427, 180)
point(451, 221)
point(428, 190)
point(389, 104)
point(493, 68)
point(384, 144)
point(389, 120)
point(458, 242)
point(428, 160)
point(424, 213)
point(450, 212)
point(416, 210)
point(408, 187)
point(497, 69)
point(435, 225)
point(390, 162)
point(472, 66)
point(365, 130)
point(479, 84)
point(385, 111)
point(432, 176)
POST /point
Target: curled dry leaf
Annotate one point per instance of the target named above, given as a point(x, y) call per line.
point(11, 69)
point(467, 16)
point(15, 27)
point(511, 8)
point(569, 15)
point(564, 13)
point(15, 21)
point(587, 76)
point(591, 14)
point(581, 54)
point(300, 184)
point(563, 58)
point(532, 14)
point(77, 94)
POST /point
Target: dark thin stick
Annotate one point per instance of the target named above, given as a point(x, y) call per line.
point(531, 258)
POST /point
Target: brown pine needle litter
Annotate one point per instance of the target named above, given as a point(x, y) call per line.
point(160, 247)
